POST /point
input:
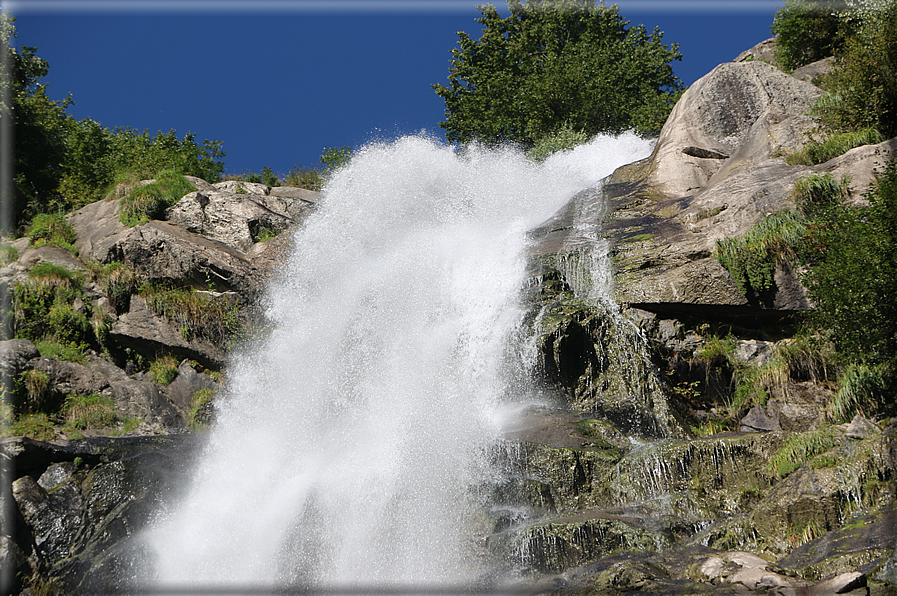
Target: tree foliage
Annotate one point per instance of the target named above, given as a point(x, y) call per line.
point(557, 62)
point(862, 87)
point(806, 31)
point(61, 163)
point(851, 271)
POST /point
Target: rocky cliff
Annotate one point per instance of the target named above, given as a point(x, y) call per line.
point(625, 483)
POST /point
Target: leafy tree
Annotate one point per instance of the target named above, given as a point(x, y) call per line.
point(61, 163)
point(862, 87)
point(806, 31)
point(553, 63)
point(39, 122)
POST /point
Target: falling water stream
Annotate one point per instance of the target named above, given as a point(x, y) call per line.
point(350, 438)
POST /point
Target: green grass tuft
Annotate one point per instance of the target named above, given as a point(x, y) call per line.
point(816, 152)
point(149, 201)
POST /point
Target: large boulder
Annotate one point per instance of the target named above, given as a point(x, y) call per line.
point(239, 221)
point(737, 115)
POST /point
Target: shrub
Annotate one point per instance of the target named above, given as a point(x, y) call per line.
point(70, 352)
point(35, 386)
point(556, 61)
point(335, 158)
point(806, 31)
point(119, 281)
point(163, 370)
point(37, 426)
point(43, 306)
point(308, 178)
point(52, 228)
point(149, 201)
point(851, 271)
point(195, 314)
point(861, 387)
point(862, 87)
point(563, 139)
point(94, 411)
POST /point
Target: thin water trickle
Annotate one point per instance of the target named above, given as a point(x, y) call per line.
point(348, 444)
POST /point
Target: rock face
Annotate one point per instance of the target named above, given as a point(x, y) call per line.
point(583, 508)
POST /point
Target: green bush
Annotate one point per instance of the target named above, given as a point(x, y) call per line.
point(862, 87)
point(119, 282)
point(556, 61)
point(163, 370)
point(42, 307)
point(563, 139)
point(851, 271)
point(69, 352)
point(334, 158)
point(806, 31)
point(84, 412)
point(52, 228)
point(300, 177)
point(196, 315)
point(37, 426)
point(149, 201)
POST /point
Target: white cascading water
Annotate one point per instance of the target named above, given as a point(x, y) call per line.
point(349, 441)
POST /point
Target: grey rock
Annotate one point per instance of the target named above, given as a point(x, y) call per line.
point(150, 334)
point(236, 220)
point(14, 357)
point(763, 52)
point(185, 386)
point(55, 474)
point(758, 420)
point(751, 106)
point(53, 517)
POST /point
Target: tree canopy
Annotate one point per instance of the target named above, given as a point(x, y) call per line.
point(554, 63)
point(61, 163)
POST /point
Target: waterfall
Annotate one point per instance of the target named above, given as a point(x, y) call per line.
point(351, 438)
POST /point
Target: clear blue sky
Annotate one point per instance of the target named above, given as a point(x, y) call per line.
point(278, 80)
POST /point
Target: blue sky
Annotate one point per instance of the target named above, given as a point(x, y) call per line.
point(278, 80)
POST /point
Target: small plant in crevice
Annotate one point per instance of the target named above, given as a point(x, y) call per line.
point(195, 314)
point(751, 259)
point(835, 144)
point(799, 449)
point(860, 388)
point(88, 412)
point(201, 411)
point(163, 370)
